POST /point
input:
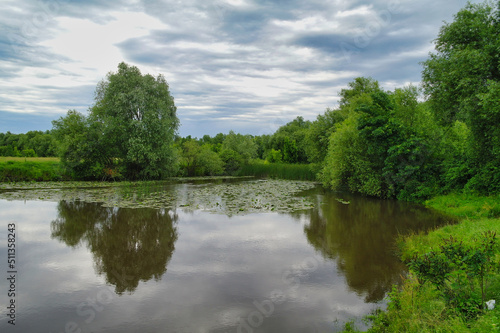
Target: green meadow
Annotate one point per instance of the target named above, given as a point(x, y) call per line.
point(17, 169)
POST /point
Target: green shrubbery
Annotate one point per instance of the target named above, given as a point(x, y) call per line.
point(460, 271)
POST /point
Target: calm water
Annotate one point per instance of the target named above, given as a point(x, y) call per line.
point(82, 267)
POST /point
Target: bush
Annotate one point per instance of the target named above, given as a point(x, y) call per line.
point(460, 272)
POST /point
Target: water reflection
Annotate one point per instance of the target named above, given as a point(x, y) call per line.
point(224, 271)
point(360, 237)
point(128, 245)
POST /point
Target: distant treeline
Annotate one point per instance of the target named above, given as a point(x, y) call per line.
point(30, 144)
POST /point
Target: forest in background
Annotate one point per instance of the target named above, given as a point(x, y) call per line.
point(410, 143)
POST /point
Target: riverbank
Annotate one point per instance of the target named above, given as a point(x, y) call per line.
point(25, 169)
point(22, 169)
point(454, 268)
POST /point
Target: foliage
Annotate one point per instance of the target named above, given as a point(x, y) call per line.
point(462, 81)
point(29, 144)
point(455, 147)
point(232, 161)
point(460, 271)
point(376, 150)
point(274, 156)
point(244, 145)
point(79, 147)
point(345, 160)
point(129, 131)
point(210, 161)
point(416, 308)
point(359, 89)
point(319, 132)
point(199, 160)
point(290, 139)
point(290, 151)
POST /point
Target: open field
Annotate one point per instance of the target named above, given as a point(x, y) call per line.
point(13, 169)
point(29, 159)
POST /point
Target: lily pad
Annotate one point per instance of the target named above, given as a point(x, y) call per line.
point(230, 198)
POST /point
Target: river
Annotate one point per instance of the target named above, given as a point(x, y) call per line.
point(238, 255)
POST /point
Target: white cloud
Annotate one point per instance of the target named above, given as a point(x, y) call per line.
point(90, 45)
point(228, 59)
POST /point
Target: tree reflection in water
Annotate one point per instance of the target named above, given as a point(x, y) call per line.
point(361, 236)
point(128, 245)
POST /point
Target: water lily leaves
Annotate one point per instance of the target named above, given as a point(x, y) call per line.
point(230, 198)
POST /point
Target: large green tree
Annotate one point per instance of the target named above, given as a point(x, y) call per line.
point(381, 149)
point(462, 82)
point(290, 139)
point(133, 123)
point(244, 145)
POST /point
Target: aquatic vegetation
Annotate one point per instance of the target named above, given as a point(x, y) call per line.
point(230, 198)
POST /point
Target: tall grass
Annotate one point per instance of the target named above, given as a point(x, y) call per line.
point(16, 169)
point(467, 206)
point(280, 170)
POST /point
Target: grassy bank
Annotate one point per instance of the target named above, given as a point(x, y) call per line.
point(453, 269)
point(279, 170)
point(15, 169)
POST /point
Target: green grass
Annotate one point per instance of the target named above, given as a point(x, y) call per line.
point(29, 159)
point(467, 230)
point(17, 169)
point(467, 206)
point(280, 170)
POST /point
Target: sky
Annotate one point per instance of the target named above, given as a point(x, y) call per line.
point(245, 65)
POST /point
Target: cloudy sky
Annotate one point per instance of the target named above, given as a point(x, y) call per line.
point(246, 65)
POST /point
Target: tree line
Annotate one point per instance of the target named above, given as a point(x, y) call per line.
point(30, 144)
point(409, 143)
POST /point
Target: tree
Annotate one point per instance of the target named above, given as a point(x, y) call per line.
point(318, 134)
point(244, 145)
point(462, 81)
point(80, 148)
point(274, 156)
point(200, 160)
point(290, 151)
point(377, 151)
point(211, 163)
point(232, 161)
point(190, 152)
point(133, 123)
point(290, 139)
point(44, 144)
point(359, 88)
